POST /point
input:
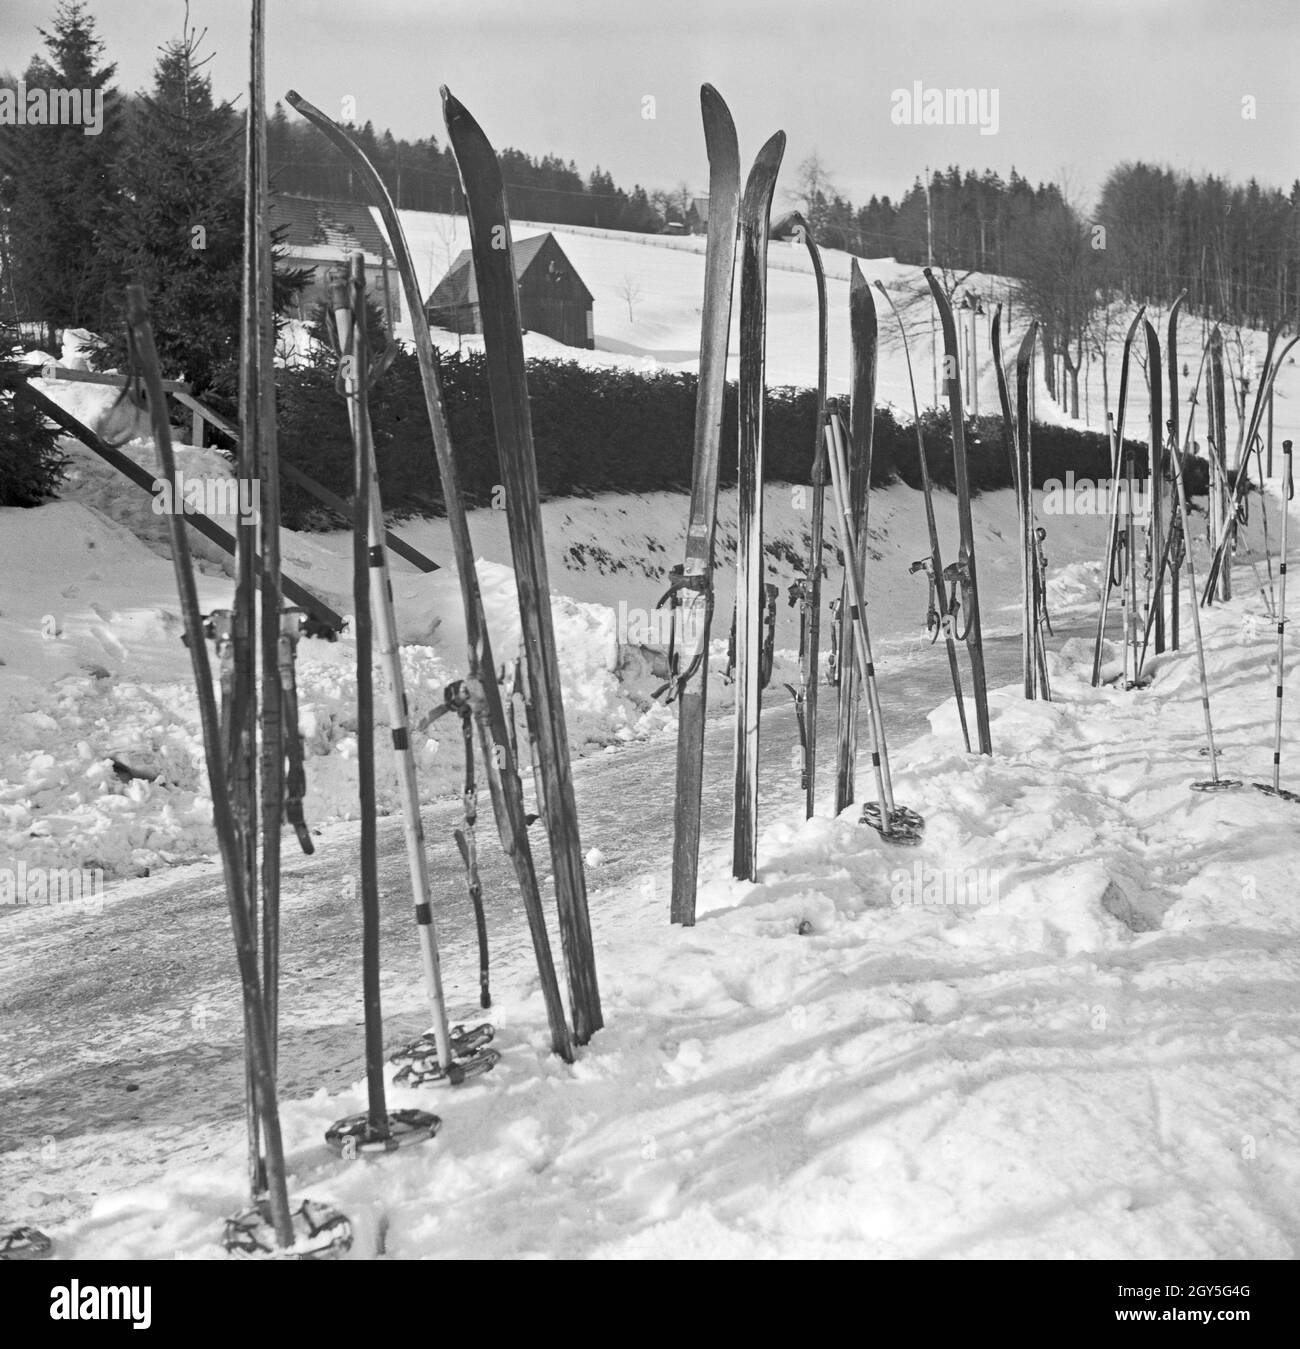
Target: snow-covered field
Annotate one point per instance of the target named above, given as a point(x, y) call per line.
point(1064, 1025)
point(667, 276)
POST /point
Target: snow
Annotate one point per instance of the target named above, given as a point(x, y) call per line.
point(1064, 1025)
point(1020, 1075)
point(664, 328)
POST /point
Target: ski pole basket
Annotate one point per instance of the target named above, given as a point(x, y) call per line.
point(357, 1136)
point(905, 826)
point(427, 1072)
point(25, 1243)
point(320, 1231)
point(469, 1058)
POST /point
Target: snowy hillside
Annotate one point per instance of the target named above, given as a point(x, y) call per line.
point(668, 276)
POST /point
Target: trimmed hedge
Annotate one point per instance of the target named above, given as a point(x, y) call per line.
point(617, 430)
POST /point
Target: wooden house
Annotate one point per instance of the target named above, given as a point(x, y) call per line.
point(319, 235)
point(552, 296)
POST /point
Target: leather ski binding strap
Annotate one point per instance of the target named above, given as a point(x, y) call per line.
point(768, 652)
point(933, 621)
point(295, 777)
point(679, 580)
point(957, 575)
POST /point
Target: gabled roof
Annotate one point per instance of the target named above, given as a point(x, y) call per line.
point(460, 285)
point(313, 222)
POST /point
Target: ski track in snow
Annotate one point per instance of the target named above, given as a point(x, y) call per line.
point(1027, 1077)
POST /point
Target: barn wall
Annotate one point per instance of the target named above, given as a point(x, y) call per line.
point(564, 320)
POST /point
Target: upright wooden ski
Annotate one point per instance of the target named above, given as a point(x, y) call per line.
point(483, 690)
point(1175, 521)
point(864, 344)
point(1116, 464)
point(1025, 492)
point(1156, 485)
point(936, 621)
point(693, 585)
point(494, 268)
point(807, 592)
point(755, 207)
point(965, 570)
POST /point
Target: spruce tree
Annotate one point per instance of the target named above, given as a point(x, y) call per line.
point(179, 229)
point(60, 188)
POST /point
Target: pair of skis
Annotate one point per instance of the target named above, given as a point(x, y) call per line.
point(893, 822)
point(1234, 498)
point(1118, 559)
point(864, 349)
point(377, 1129)
point(494, 268)
point(963, 573)
point(806, 592)
point(1017, 436)
point(938, 619)
point(692, 591)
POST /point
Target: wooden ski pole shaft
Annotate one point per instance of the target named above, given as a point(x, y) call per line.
point(261, 1063)
point(858, 619)
point(1288, 488)
point(381, 603)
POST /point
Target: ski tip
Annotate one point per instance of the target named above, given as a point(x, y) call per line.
point(856, 277)
point(712, 102)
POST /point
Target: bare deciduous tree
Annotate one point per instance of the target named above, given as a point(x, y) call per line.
point(629, 291)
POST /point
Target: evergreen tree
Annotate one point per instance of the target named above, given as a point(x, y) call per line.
point(178, 231)
point(60, 188)
point(31, 463)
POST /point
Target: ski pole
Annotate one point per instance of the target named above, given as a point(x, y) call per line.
point(381, 596)
point(376, 1130)
point(466, 842)
point(1288, 492)
point(1216, 783)
point(1115, 425)
point(899, 825)
point(1130, 593)
point(936, 558)
point(261, 1070)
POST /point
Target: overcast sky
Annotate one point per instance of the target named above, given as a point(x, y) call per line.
point(1081, 84)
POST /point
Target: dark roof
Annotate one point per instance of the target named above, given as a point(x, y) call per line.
point(460, 286)
point(315, 222)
